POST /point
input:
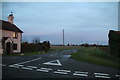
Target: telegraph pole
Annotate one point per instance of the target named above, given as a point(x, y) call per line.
point(63, 38)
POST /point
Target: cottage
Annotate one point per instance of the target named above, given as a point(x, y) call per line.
point(10, 36)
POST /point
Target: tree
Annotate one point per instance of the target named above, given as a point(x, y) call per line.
point(36, 40)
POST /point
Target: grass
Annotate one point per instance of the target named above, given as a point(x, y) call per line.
point(96, 56)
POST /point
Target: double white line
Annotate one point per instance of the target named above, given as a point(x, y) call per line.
point(101, 75)
point(62, 71)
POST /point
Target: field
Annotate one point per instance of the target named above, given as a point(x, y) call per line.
point(98, 56)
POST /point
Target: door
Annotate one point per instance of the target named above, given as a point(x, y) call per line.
point(8, 48)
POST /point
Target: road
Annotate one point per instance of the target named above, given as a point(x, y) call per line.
point(54, 65)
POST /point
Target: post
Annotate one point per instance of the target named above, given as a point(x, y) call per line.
point(63, 38)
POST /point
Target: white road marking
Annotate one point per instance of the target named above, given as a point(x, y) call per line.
point(2, 65)
point(101, 75)
point(32, 67)
point(27, 68)
point(14, 66)
point(117, 75)
point(29, 61)
point(44, 69)
point(62, 71)
point(18, 65)
point(53, 63)
point(79, 73)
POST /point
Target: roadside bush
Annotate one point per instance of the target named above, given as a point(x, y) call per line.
point(35, 47)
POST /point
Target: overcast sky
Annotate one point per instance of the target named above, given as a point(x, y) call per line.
point(82, 21)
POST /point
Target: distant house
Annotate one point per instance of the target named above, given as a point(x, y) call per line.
point(10, 36)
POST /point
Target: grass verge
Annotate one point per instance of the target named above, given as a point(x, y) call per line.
point(96, 56)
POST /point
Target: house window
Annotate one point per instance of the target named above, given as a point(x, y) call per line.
point(14, 46)
point(15, 35)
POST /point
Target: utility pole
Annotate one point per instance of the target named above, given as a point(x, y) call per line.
point(63, 38)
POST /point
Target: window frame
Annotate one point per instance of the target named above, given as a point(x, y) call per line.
point(15, 35)
point(15, 46)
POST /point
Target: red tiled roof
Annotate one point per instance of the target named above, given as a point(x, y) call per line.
point(9, 26)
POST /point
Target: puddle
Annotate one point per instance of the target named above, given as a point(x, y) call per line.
point(66, 56)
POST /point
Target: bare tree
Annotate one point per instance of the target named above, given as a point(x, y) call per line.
point(36, 40)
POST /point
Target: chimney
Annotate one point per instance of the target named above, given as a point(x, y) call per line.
point(11, 18)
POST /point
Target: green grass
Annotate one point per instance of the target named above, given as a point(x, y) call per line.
point(96, 56)
point(52, 50)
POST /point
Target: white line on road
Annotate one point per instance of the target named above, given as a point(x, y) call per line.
point(64, 70)
point(117, 75)
point(53, 63)
point(2, 65)
point(101, 74)
point(76, 74)
point(27, 68)
point(14, 66)
point(29, 61)
point(32, 67)
point(79, 73)
point(44, 69)
point(18, 65)
point(60, 72)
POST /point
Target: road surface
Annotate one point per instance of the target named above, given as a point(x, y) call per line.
point(54, 65)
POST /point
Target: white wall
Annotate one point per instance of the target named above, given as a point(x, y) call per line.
point(6, 33)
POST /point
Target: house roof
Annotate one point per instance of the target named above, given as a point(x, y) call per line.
point(9, 26)
point(117, 32)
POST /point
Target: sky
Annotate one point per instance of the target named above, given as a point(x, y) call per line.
point(82, 21)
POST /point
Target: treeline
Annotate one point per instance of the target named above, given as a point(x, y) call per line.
point(36, 46)
point(84, 45)
point(114, 42)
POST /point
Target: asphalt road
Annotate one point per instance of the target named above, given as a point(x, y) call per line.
point(54, 65)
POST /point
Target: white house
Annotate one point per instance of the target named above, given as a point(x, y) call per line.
point(10, 36)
